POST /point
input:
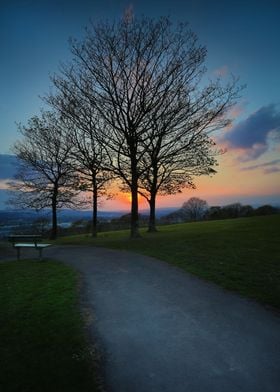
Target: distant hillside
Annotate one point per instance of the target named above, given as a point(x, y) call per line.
point(11, 220)
point(66, 215)
point(160, 211)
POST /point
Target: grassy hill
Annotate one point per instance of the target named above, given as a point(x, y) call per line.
point(43, 346)
point(242, 255)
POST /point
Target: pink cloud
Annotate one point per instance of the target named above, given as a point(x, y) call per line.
point(237, 110)
point(273, 169)
point(268, 167)
point(4, 184)
point(252, 153)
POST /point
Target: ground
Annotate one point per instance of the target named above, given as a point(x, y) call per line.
point(159, 328)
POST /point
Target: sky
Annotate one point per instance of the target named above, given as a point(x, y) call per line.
point(242, 38)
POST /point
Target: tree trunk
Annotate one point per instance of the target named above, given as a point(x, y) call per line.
point(152, 218)
point(152, 201)
point(134, 227)
point(54, 217)
point(94, 210)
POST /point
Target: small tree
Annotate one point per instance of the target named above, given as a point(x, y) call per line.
point(45, 177)
point(194, 209)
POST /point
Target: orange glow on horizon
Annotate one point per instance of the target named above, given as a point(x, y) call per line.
point(125, 200)
point(232, 183)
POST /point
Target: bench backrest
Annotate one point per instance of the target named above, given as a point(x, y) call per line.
point(26, 238)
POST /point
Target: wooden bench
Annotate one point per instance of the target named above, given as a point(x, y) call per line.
point(27, 241)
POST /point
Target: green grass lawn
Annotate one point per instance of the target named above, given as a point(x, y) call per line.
point(239, 254)
point(4, 244)
point(43, 346)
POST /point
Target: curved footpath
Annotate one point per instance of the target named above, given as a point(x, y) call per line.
point(162, 330)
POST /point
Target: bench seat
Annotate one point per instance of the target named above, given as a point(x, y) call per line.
point(29, 245)
point(28, 241)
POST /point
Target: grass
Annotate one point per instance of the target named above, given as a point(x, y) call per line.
point(242, 255)
point(43, 345)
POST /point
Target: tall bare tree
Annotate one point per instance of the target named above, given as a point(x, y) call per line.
point(180, 146)
point(45, 178)
point(89, 157)
point(142, 76)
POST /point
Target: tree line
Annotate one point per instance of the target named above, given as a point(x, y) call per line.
point(134, 108)
point(196, 209)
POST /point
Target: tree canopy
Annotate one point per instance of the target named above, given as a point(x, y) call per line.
point(45, 177)
point(144, 79)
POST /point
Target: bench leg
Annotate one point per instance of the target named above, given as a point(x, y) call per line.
point(18, 253)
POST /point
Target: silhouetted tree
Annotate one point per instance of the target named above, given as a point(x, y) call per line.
point(142, 77)
point(214, 212)
point(266, 210)
point(234, 210)
point(246, 210)
point(89, 157)
point(231, 210)
point(45, 177)
point(173, 168)
point(179, 146)
point(194, 209)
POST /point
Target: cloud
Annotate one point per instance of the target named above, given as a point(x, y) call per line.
point(269, 167)
point(273, 169)
point(252, 135)
point(237, 110)
point(4, 184)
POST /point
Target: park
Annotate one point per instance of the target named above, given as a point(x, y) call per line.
point(153, 297)
point(139, 308)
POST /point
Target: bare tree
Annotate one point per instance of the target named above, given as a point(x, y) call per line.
point(170, 168)
point(89, 157)
point(142, 76)
point(179, 144)
point(194, 208)
point(45, 177)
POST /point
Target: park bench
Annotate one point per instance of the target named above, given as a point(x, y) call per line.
point(27, 241)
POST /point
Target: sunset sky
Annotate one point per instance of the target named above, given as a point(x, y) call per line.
point(242, 37)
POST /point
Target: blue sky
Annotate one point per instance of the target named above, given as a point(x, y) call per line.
point(242, 37)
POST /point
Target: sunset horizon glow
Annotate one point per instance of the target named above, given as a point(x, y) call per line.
point(242, 38)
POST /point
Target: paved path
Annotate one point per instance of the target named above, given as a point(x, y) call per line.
point(163, 330)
